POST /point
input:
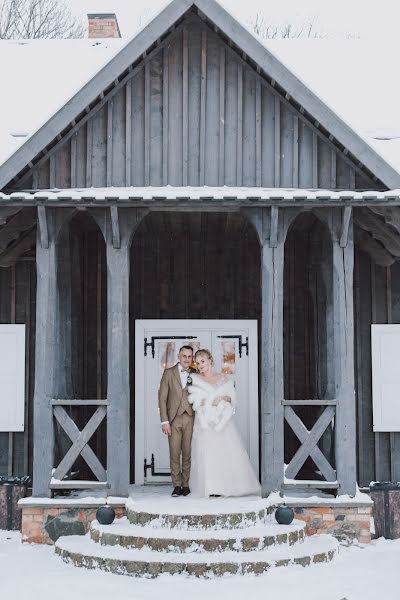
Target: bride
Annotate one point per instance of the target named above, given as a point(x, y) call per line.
point(220, 464)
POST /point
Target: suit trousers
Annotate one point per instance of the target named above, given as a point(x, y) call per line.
point(180, 443)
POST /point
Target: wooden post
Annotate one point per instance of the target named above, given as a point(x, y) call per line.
point(118, 383)
point(343, 353)
point(269, 226)
point(47, 367)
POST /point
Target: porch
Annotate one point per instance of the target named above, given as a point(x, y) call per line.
point(309, 395)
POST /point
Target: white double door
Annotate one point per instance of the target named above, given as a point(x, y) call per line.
point(157, 342)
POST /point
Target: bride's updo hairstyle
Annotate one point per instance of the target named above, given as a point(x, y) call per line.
point(205, 352)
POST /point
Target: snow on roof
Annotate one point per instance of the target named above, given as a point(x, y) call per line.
point(38, 77)
point(184, 194)
point(356, 79)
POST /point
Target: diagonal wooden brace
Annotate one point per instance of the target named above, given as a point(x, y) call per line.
point(80, 441)
point(309, 441)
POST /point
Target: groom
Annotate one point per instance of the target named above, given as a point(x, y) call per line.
point(177, 418)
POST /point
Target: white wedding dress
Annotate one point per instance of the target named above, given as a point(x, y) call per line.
point(220, 464)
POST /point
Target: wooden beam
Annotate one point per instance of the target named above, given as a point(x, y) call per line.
point(376, 251)
point(89, 150)
point(147, 123)
point(185, 106)
point(116, 235)
point(165, 86)
point(277, 161)
point(309, 440)
point(19, 223)
point(128, 133)
point(21, 245)
point(379, 230)
point(258, 135)
point(295, 180)
point(390, 214)
point(203, 89)
point(346, 215)
point(239, 127)
point(109, 174)
point(273, 238)
point(221, 169)
point(80, 441)
point(43, 227)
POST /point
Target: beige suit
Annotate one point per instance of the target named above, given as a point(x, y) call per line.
point(174, 407)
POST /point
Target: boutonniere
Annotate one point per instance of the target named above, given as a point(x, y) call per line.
point(189, 380)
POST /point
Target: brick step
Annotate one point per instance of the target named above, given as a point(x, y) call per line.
point(84, 552)
point(258, 537)
point(199, 513)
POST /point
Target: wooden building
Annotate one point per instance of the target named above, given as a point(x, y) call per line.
point(195, 177)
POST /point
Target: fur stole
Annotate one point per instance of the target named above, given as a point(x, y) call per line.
point(203, 394)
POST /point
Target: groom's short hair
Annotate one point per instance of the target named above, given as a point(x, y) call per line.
point(185, 348)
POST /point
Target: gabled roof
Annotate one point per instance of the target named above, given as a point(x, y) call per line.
point(243, 39)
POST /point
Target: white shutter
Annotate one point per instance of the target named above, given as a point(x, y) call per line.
point(12, 377)
point(385, 346)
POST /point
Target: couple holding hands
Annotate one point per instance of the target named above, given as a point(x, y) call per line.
point(207, 455)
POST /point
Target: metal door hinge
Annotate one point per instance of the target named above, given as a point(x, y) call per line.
point(241, 344)
point(164, 337)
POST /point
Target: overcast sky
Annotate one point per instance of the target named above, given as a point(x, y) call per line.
point(366, 19)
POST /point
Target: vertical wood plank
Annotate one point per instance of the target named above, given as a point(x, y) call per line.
point(147, 123)
point(342, 357)
point(333, 170)
point(73, 160)
point(165, 115)
point(352, 177)
point(12, 320)
point(277, 154)
point(203, 105)
point(52, 181)
point(27, 299)
point(258, 135)
point(89, 151)
point(185, 106)
point(392, 435)
point(315, 161)
point(35, 179)
point(109, 175)
point(221, 169)
point(295, 151)
point(239, 129)
point(128, 133)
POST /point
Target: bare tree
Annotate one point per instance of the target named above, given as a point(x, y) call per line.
point(271, 31)
point(23, 19)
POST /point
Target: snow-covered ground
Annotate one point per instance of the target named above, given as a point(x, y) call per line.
point(359, 573)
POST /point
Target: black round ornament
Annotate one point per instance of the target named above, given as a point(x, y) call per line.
point(284, 515)
point(105, 515)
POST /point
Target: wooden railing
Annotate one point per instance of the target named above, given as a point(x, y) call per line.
point(309, 443)
point(80, 446)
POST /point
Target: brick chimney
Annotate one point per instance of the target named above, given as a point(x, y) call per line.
point(103, 26)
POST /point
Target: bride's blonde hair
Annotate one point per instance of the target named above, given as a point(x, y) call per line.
point(205, 352)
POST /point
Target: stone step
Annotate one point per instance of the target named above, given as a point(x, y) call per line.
point(82, 551)
point(258, 537)
point(199, 513)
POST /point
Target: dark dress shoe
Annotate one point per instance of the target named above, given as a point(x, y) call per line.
point(177, 491)
point(185, 491)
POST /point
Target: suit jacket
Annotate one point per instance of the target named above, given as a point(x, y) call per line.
point(171, 394)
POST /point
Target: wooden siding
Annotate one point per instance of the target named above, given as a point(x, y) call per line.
point(195, 113)
point(376, 300)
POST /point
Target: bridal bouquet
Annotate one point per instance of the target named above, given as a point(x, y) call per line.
point(212, 409)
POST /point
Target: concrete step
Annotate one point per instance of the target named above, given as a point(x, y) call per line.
point(199, 513)
point(258, 537)
point(82, 551)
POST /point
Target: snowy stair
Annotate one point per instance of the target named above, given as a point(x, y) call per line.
point(185, 538)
